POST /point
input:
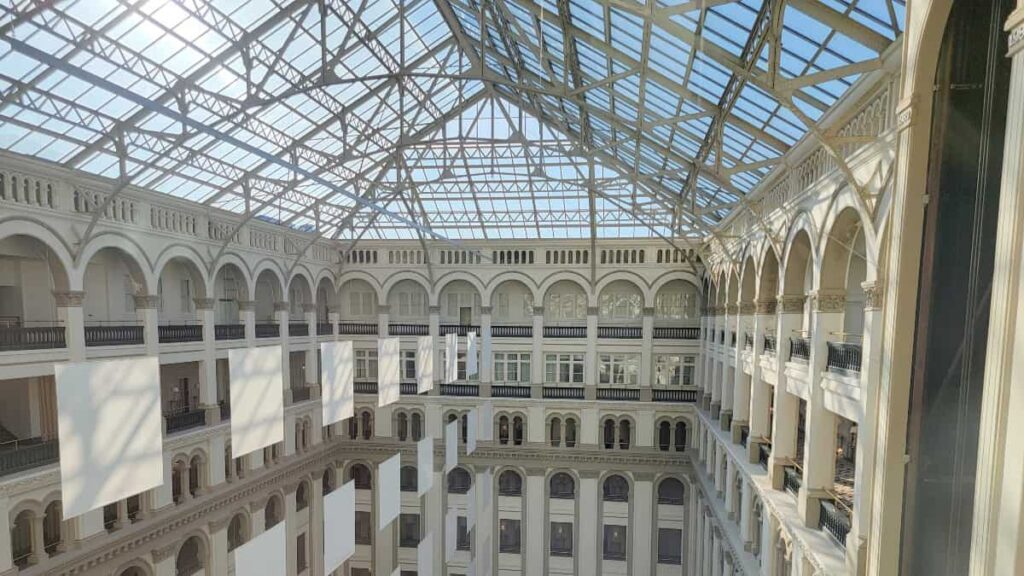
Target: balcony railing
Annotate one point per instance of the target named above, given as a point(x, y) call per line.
point(300, 394)
point(185, 420)
point(268, 330)
point(800, 349)
point(565, 331)
point(408, 329)
point(792, 479)
point(21, 455)
point(676, 333)
point(506, 391)
point(843, 357)
point(834, 520)
point(365, 387)
point(512, 331)
point(670, 395)
point(408, 388)
point(563, 392)
point(357, 329)
point(31, 338)
point(298, 329)
point(174, 333)
point(324, 329)
point(460, 329)
point(628, 394)
point(748, 341)
point(229, 331)
point(769, 344)
point(460, 390)
point(113, 335)
point(620, 332)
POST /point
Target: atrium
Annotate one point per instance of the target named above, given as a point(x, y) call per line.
point(537, 287)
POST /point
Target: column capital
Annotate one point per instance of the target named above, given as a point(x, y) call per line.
point(246, 305)
point(829, 301)
point(146, 301)
point(905, 113)
point(648, 311)
point(485, 310)
point(765, 306)
point(203, 303)
point(69, 298)
point(874, 294)
point(1015, 24)
point(308, 308)
point(434, 310)
point(383, 309)
point(538, 310)
point(593, 310)
point(333, 309)
point(281, 306)
point(747, 308)
point(732, 308)
point(792, 303)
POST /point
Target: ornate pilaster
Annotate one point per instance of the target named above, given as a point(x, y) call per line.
point(1016, 41)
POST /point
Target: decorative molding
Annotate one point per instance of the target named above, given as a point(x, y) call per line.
point(765, 306)
point(434, 310)
point(281, 306)
point(383, 309)
point(829, 301)
point(69, 299)
point(747, 308)
point(165, 552)
point(485, 310)
point(732, 308)
point(593, 310)
point(1015, 44)
point(308, 308)
point(648, 311)
point(874, 295)
point(246, 305)
point(792, 303)
point(203, 303)
point(146, 302)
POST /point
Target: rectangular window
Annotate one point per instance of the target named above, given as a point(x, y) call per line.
point(300, 553)
point(563, 368)
point(364, 528)
point(619, 370)
point(689, 366)
point(670, 546)
point(561, 538)
point(512, 367)
point(408, 365)
point(668, 370)
point(408, 530)
point(614, 542)
point(462, 536)
point(366, 365)
point(509, 542)
point(460, 363)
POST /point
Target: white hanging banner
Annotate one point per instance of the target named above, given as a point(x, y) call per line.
point(451, 358)
point(471, 508)
point(257, 398)
point(425, 556)
point(264, 555)
point(388, 371)
point(471, 430)
point(389, 494)
point(451, 534)
point(485, 480)
point(424, 465)
point(451, 445)
point(486, 421)
point(424, 364)
point(339, 526)
point(472, 368)
point(337, 366)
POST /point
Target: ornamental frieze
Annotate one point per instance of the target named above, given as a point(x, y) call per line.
point(765, 306)
point(792, 303)
point(830, 301)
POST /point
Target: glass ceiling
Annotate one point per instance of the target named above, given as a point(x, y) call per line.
point(445, 118)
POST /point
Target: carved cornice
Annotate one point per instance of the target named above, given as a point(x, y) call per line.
point(792, 303)
point(829, 301)
point(765, 306)
point(281, 306)
point(874, 295)
point(69, 299)
point(146, 302)
point(203, 303)
point(746, 308)
point(383, 309)
point(164, 552)
point(246, 305)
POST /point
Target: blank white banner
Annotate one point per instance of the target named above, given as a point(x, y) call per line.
point(389, 497)
point(472, 368)
point(451, 534)
point(486, 421)
point(424, 465)
point(388, 371)
point(485, 480)
point(451, 358)
point(339, 526)
point(483, 560)
point(110, 429)
point(257, 398)
point(337, 366)
point(424, 364)
point(472, 426)
point(264, 555)
point(425, 556)
point(451, 445)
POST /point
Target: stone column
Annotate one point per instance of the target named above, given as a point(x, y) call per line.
point(742, 381)
point(709, 529)
point(537, 354)
point(38, 543)
point(6, 564)
point(435, 334)
point(590, 356)
point(208, 363)
point(820, 427)
point(433, 507)
point(147, 310)
point(247, 314)
point(716, 554)
point(730, 481)
point(219, 547)
point(787, 406)
point(747, 516)
point(534, 560)
point(383, 319)
point(731, 367)
point(642, 522)
point(760, 391)
point(589, 543)
point(312, 375)
point(647, 355)
point(486, 358)
point(333, 316)
point(281, 316)
point(69, 312)
point(717, 368)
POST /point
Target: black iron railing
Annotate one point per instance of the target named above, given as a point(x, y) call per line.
point(31, 337)
point(676, 333)
point(792, 479)
point(764, 450)
point(843, 357)
point(185, 420)
point(300, 394)
point(563, 392)
point(565, 331)
point(365, 387)
point(408, 388)
point(173, 333)
point(732, 339)
point(769, 344)
point(618, 394)
point(229, 331)
point(834, 520)
point(408, 329)
point(460, 390)
point(512, 331)
point(113, 335)
point(357, 329)
point(669, 395)
point(324, 329)
point(620, 332)
point(21, 455)
point(506, 391)
point(298, 329)
point(268, 330)
point(460, 329)
point(799, 348)
point(748, 341)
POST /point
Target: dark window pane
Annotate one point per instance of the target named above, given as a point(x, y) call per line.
point(670, 546)
point(561, 538)
point(614, 542)
point(462, 536)
point(364, 528)
point(509, 536)
point(408, 530)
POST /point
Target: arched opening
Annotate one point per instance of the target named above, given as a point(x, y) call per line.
point(269, 293)
point(510, 483)
point(229, 290)
point(620, 303)
point(409, 480)
point(302, 496)
point(179, 285)
point(675, 304)
point(565, 304)
point(517, 430)
point(407, 302)
point(664, 436)
point(843, 272)
point(132, 571)
point(358, 301)
point(300, 298)
point(273, 512)
point(680, 436)
point(503, 430)
point(362, 478)
point(556, 432)
point(671, 492)
point(195, 475)
point(625, 429)
point(512, 304)
point(112, 319)
point(328, 481)
point(615, 489)
point(562, 486)
point(459, 481)
point(608, 434)
point(53, 537)
point(460, 303)
point(403, 426)
point(21, 540)
point(326, 301)
point(570, 432)
point(191, 558)
point(238, 531)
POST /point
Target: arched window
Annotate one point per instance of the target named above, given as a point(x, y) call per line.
point(517, 431)
point(616, 489)
point(417, 427)
point(193, 475)
point(664, 436)
point(21, 538)
point(503, 431)
point(670, 491)
point(465, 428)
point(409, 480)
point(51, 527)
point(132, 571)
point(327, 481)
point(361, 476)
point(403, 426)
point(556, 432)
point(510, 483)
point(367, 422)
point(680, 436)
point(272, 513)
point(624, 429)
point(353, 428)
point(238, 532)
point(301, 496)
point(570, 432)
point(189, 559)
point(459, 481)
point(562, 486)
point(609, 434)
